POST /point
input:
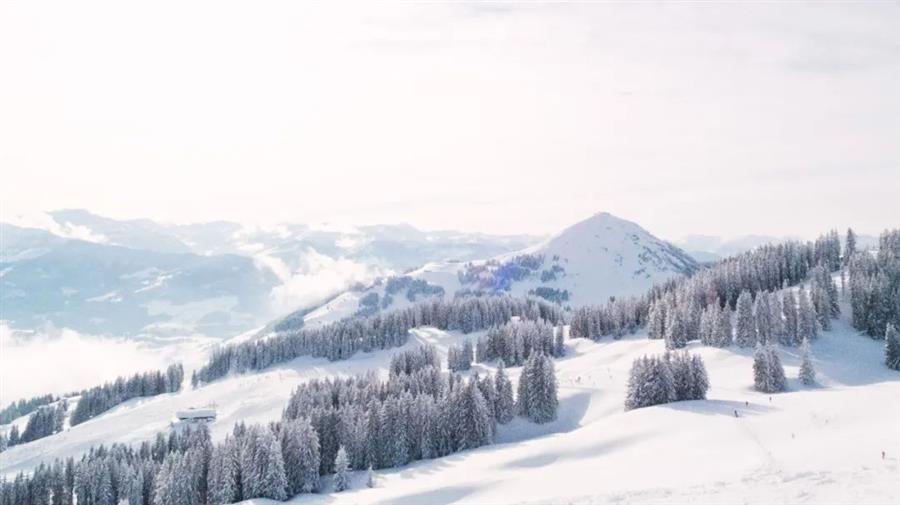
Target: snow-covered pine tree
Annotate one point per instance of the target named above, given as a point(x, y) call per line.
point(849, 246)
point(777, 379)
point(273, 482)
point(760, 368)
point(723, 328)
point(791, 324)
point(650, 383)
point(341, 470)
point(504, 405)
point(489, 393)
point(776, 318)
point(707, 325)
point(300, 452)
point(892, 348)
point(807, 373)
point(523, 391)
point(544, 391)
point(745, 326)
point(762, 314)
point(656, 324)
point(221, 476)
point(806, 319)
point(699, 378)
point(768, 374)
point(475, 421)
point(559, 347)
point(676, 328)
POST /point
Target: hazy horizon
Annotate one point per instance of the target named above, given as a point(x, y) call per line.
point(719, 119)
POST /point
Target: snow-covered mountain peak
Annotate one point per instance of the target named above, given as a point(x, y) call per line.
point(602, 229)
point(601, 256)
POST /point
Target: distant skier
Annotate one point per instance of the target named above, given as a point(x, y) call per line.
point(735, 413)
point(882, 454)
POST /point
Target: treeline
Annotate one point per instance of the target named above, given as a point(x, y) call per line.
point(46, 420)
point(329, 426)
point(515, 341)
point(22, 407)
point(875, 286)
point(99, 399)
point(674, 376)
point(342, 339)
point(43, 422)
point(678, 304)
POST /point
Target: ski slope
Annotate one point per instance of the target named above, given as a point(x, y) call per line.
point(808, 445)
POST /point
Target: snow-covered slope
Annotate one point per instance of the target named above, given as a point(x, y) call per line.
point(810, 444)
point(604, 256)
point(586, 263)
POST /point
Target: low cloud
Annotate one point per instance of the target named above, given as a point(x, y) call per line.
point(57, 361)
point(317, 278)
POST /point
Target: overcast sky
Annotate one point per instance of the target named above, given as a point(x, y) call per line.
point(687, 118)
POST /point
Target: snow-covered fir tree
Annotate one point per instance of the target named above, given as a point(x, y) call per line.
point(722, 331)
point(875, 286)
point(676, 328)
point(300, 452)
point(656, 324)
point(806, 315)
point(790, 336)
point(649, 383)
point(475, 422)
point(559, 348)
point(807, 373)
point(537, 394)
point(768, 374)
point(341, 470)
point(223, 474)
point(849, 246)
point(892, 348)
point(504, 406)
point(762, 314)
point(745, 325)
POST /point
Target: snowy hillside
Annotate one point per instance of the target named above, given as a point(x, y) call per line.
point(600, 257)
point(807, 445)
point(587, 263)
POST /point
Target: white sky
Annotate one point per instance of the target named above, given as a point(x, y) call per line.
point(687, 118)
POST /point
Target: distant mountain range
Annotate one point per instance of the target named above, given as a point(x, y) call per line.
point(132, 277)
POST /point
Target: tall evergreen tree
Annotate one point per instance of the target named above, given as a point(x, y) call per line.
point(806, 319)
point(559, 346)
point(676, 329)
point(300, 452)
point(768, 374)
point(745, 326)
point(762, 313)
point(849, 246)
point(722, 329)
point(892, 348)
point(791, 324)
point(807, 372)
point(650, 383)
point(341, 470)
point(223, 486)
point(505, 405)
